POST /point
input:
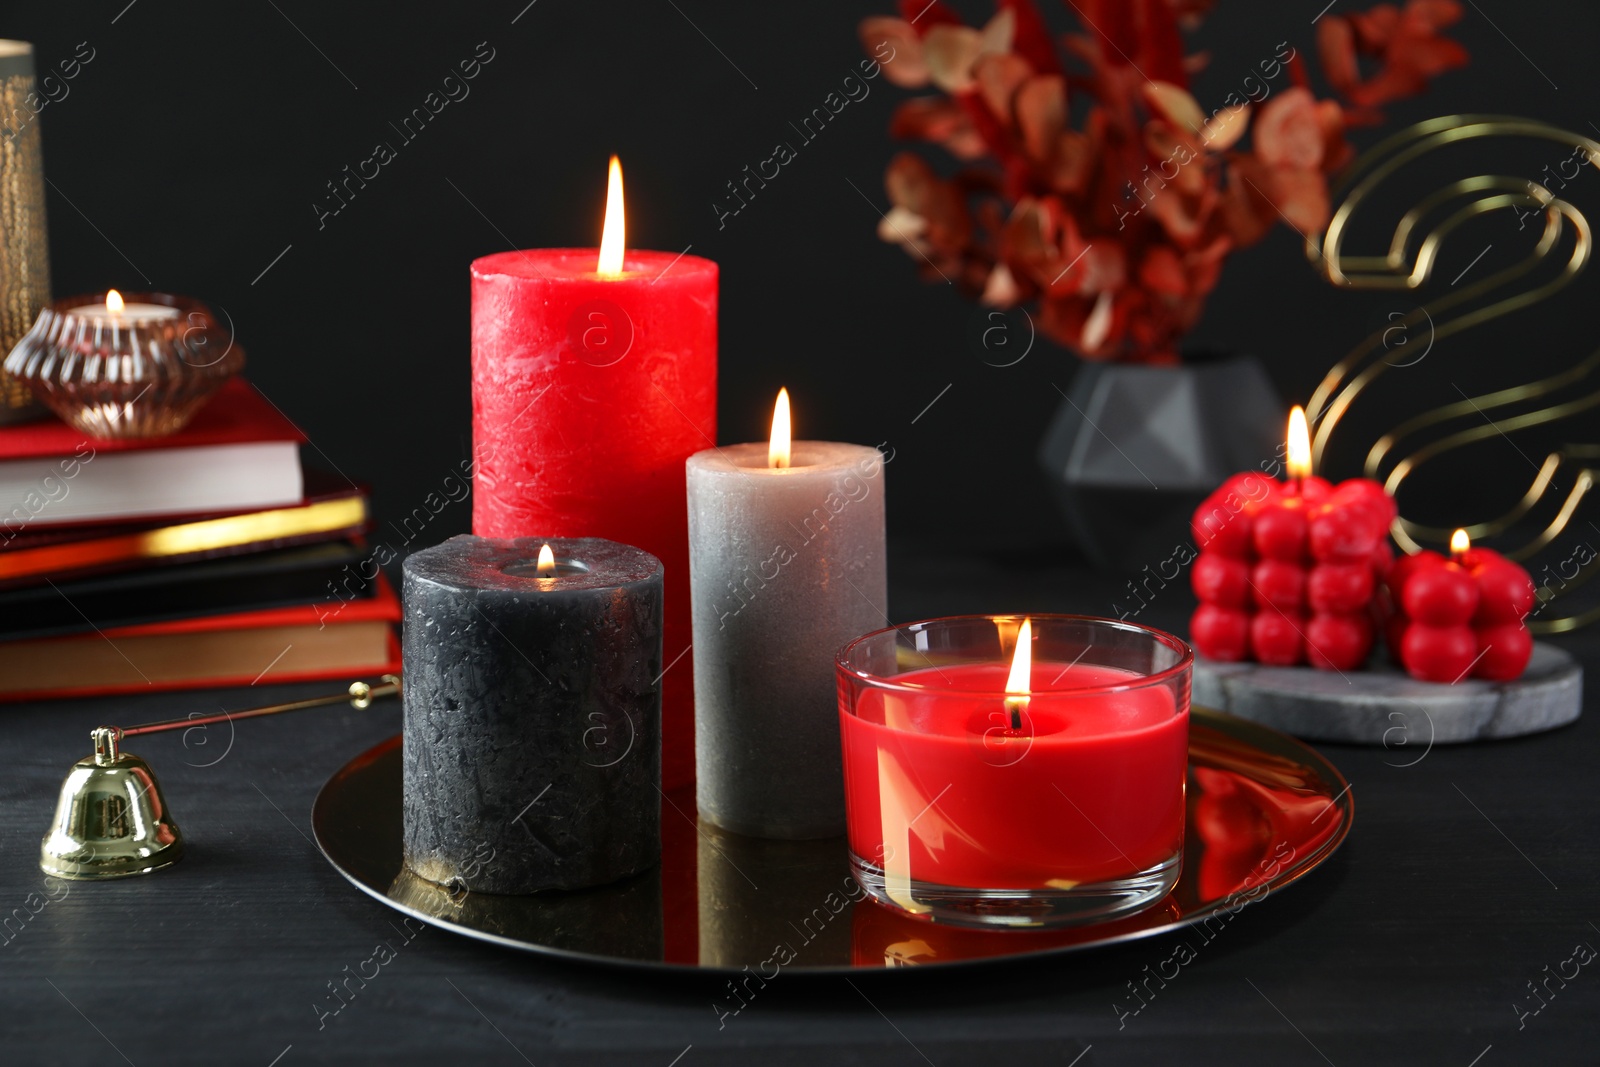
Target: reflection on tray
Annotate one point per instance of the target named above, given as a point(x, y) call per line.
point(1251, 815)
point(622, 919)
point(1262, 810)
point(764, 900)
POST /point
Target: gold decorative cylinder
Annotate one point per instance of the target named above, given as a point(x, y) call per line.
point(24, 251)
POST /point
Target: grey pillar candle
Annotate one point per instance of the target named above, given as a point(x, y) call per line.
point(532, 714)
point(785, 566)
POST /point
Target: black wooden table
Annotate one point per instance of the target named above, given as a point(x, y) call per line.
point(1467, 884)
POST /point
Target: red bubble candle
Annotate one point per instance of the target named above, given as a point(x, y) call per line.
point(1288, 572)
point(594, 377)
point(1043, 791)
point(1460, 617)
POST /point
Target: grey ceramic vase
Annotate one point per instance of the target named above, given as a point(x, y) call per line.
point(1134, 448)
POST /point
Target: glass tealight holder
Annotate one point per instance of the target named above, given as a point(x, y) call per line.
point(143, 371)
point(979, 798)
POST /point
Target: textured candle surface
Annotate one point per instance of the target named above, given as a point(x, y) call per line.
point(786, 566)
point(532, 714)
point(588, 393)
point(1287, 572)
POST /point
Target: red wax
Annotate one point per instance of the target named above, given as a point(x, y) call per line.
point(588, 394)
point(1288, 571)
point(1090, 790)
point(1461, 617)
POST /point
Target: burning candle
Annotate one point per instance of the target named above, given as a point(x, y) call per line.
point(1288, 571)
point(1033, 785)
point(532, 713)
point(786, 561)
point(1460, 617)
point(594, 376)
point(118, 312)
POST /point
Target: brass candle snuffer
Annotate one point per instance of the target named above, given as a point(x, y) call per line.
point(1564, 238)
point(112, 819)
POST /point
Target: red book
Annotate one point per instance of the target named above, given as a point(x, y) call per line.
point(342, 640)
point(239, 453)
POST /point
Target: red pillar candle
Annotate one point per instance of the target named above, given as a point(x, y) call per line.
point(1288, 571)
point(1460, 617)
point(591, 385)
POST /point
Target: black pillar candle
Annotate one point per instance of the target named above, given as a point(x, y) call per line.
point(532, 713)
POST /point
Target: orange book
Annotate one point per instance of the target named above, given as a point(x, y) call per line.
point(332, 640)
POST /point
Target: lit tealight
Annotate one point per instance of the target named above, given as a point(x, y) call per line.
point(118, 312)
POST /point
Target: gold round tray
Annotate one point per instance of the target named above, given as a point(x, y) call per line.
point(1263, 811)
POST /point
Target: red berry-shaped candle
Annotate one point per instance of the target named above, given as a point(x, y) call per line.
point(1460, 617)
point(1288, 571)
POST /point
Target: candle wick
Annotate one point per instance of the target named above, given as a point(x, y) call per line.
point(1015, 705)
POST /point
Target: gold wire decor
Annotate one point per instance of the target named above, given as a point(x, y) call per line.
point(1570, 396)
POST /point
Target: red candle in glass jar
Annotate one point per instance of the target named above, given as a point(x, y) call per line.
point(594, 378)
point(1096, 748)
point(1073, 779)
point(1288, 571)
point(1460, 617)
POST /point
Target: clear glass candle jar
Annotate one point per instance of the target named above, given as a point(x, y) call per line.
point(977, 795)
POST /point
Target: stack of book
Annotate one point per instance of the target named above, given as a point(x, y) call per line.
point(207, 558)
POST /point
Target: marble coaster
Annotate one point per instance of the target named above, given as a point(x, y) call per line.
point(1383, 706)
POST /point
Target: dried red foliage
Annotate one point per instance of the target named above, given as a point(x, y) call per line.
point(1118, 224)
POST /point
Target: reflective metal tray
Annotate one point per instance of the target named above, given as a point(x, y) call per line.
point(1263, 811)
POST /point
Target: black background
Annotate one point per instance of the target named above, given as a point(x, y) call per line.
point(191, 150)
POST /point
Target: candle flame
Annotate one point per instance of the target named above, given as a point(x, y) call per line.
point(1459, 543)
point(114, 303)
point(778, 449)
point(1021, 662)
point(547, 562)
point(1299, 444)
point(613, 238)
point(1017, 683)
